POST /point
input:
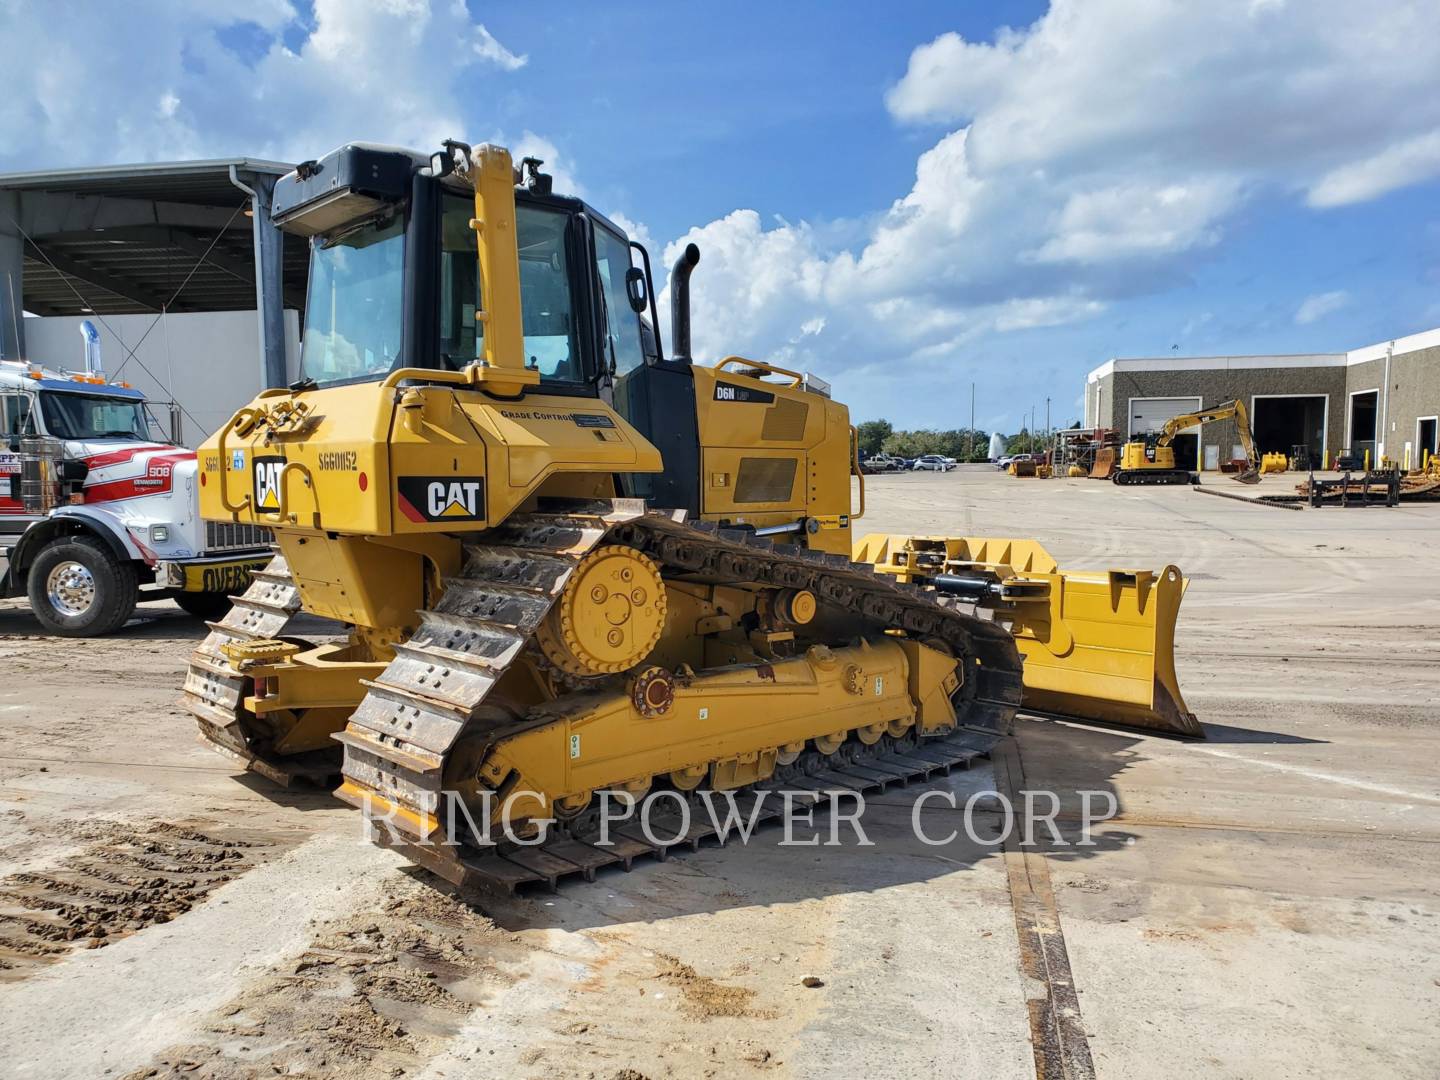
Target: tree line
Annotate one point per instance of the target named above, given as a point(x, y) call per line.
point(962, 444)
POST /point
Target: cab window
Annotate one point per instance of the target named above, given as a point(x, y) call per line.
point(16, 418)
point(547, 307)
point(86, 416)
point(352, 319)
point(612, 259)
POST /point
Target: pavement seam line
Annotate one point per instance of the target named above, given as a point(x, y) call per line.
point(1314, 774)
point(1057, 1032)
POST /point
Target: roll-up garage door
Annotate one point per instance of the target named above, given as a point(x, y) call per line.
point(1148, 415)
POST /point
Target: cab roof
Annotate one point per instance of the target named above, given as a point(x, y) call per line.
point(15, 373)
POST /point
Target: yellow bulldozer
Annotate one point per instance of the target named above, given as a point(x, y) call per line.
point(568, 564)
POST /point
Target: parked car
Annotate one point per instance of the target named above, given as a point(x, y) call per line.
point(932, 463)
point(1004, 462)
point(881, 463)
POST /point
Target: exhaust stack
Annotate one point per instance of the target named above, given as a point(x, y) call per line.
point(93, 364)
point(680, 303)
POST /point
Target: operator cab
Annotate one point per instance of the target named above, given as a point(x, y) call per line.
point(395, 283)
point(394, 274)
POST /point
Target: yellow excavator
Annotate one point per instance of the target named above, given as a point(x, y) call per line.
point(567, 564)
point(1151, 460)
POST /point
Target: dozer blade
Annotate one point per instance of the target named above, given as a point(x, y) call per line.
point(1103, 649)
point(1097, 646)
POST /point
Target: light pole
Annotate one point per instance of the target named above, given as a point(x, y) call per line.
point(970, 435)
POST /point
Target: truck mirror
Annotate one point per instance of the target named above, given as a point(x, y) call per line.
point(635, 290)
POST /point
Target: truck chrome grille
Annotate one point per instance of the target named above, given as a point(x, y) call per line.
point(233, 536)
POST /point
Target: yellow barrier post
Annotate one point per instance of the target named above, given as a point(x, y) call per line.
point(1367, 460)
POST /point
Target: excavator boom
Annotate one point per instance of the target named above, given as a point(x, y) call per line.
point(1230, 410)
point(1153, 461)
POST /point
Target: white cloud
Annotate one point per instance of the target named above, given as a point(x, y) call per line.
point(487, 48)
point(1138, 220)
point(635, 230)
point(1094, 156)
point(150, 80)
point(1314, 308)
point(1394, 167)
point(1290, 90)
point(759, 286)
point(1045, 311)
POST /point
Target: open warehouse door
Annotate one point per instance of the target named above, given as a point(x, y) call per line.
point(1285, 421)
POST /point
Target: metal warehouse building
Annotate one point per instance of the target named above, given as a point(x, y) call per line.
point(1382, 398)
point(195, 294)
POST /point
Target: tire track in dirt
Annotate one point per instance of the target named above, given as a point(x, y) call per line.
point(126, 878)
point(376, 993)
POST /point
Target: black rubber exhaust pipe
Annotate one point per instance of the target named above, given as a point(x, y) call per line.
point(680, 303)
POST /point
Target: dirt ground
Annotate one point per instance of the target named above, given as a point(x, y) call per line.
point(1264, 904)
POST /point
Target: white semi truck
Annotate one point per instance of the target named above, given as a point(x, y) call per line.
point(99, 510)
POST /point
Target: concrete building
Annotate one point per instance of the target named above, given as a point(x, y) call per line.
point(195, 294)
point(1382, 398)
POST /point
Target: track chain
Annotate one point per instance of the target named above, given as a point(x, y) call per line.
point(215, 691)
point(398, 741)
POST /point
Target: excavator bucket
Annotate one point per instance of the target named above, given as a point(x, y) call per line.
point(1097, 646)
point(1248, 476)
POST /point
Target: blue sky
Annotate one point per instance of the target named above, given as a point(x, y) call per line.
point(684, 116)
point(904, 198)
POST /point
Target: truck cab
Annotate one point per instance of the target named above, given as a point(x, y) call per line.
point(99, 509)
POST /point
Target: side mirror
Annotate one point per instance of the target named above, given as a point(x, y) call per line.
point(14, 444)
point(635, 290)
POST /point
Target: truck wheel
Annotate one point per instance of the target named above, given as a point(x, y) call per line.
point(205, 605)
point(78, 588)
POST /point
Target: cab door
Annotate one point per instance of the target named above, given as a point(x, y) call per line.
point(17, 420)
point(657, 397)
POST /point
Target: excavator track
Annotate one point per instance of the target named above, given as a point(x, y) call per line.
point(215, 692)
point(399, 741)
